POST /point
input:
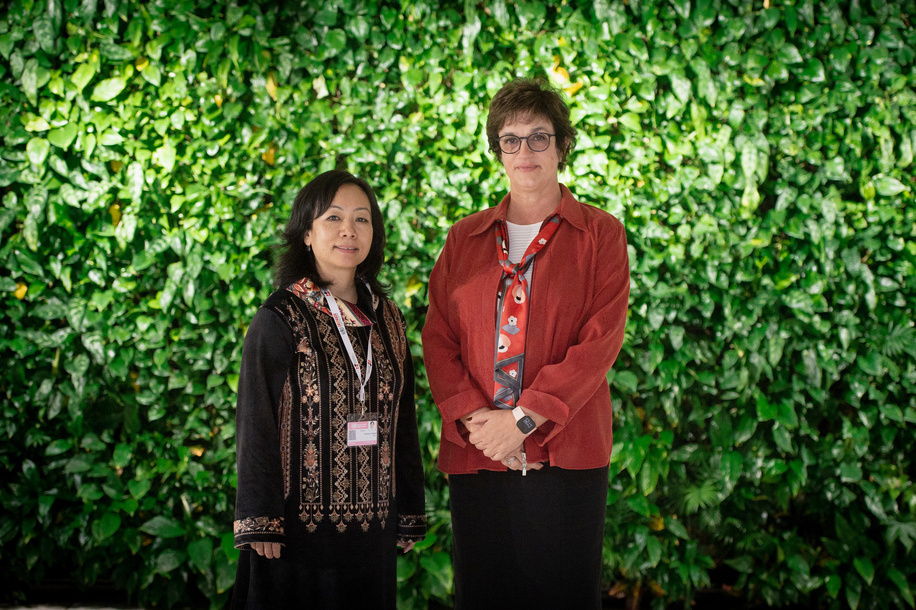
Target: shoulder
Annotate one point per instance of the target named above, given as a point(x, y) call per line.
point(278, 298)
point(283, 307)
point(474, 223)
point(600, 220)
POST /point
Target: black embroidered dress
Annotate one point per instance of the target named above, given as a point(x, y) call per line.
point(338, 511)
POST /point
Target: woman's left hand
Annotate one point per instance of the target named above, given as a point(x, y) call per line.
point(407, 546)
point(498, 436)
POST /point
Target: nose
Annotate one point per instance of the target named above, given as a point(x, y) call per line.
point(348, 228)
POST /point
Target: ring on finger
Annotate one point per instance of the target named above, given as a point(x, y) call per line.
point(511, 459)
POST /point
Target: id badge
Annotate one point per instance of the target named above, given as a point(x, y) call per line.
point(362, 429)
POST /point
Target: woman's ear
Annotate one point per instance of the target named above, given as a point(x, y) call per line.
point(307, 238)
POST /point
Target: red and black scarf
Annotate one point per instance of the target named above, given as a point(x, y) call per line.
point(512, 313)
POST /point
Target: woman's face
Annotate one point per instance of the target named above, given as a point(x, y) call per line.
point(528, 170)
point(342, 236)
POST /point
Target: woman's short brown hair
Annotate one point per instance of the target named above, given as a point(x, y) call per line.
point(524, 97)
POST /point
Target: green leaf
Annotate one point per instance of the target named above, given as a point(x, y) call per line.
point(106, 526)
point(6, 45)
point(44, 34)
point(83, 74)
point(681, 87)
point(122, 455)
point(37, 150)
point(631, 121)
point(788, 54)
point(654, 550)
point(766, 410)
point(58, 447)
point(624, 379)
point(335, 41)
point(139, 488)
point(898, 578)
point(165, 156)
point(677, 528)
point(162, 527)
point(200, 552)
point(782, 438)
point(152, 75)
point(169, 561)
point(135, 180)
point(77, 464)
point(34, 123)
point(833, 584)
point(108, 89)
point(904, 531)
point(62, 137)
point(406, 568)
point(887, 186)
point(850, 472)
point(853, 592)
point(30, 81)
point(865, 568)
point(701, 496)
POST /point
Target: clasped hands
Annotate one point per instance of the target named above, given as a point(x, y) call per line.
point(496, 434)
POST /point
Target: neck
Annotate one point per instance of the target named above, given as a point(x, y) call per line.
point(348, 294)
point(527, 208)
point(344, 288)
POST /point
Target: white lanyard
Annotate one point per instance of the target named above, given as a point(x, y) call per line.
point(338, 320)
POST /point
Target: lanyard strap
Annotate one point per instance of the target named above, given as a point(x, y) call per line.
point(338, 320)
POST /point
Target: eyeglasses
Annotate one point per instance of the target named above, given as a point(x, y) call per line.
point(537, 142)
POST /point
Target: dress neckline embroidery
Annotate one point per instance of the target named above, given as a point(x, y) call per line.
point(352, 315)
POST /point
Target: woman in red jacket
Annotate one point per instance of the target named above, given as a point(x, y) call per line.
point(528, 304)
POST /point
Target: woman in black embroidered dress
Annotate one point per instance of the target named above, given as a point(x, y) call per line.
point(330, 477)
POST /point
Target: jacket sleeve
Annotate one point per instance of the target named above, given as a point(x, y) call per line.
point(560, 390)
point(259, 503)
point(455, 392)
point(410, 493)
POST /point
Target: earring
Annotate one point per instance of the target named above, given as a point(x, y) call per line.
point(308, 248)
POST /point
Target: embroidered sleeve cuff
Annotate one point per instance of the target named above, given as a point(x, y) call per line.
point(411, 527)
point(258, 529)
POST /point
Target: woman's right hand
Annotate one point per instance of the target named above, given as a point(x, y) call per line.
point(513, 461)
point(271, 550)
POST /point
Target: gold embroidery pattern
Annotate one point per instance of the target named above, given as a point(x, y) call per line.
point(359, 479)
point(258, 525)
point(310, 439)
point(395, 324)
point(284, 419)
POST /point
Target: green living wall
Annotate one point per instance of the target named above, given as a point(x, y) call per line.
point(760, 154)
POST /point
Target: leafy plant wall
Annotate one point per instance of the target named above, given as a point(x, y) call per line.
point(759, 153)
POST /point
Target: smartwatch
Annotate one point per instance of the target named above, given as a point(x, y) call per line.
point(523, 421)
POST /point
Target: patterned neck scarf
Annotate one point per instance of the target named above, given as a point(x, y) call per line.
point(512, 313)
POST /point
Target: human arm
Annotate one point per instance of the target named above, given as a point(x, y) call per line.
point(457, 395)
point(410, 493)
point(561, 388)
point(259, 514)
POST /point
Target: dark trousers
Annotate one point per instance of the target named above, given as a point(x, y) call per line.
point(528, 542)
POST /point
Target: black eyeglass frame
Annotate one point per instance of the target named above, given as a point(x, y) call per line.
point(525, 138)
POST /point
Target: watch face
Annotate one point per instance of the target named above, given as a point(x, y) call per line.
point(526, 424)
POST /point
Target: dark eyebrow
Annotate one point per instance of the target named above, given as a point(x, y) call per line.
point(538, 129)
point(357, 209)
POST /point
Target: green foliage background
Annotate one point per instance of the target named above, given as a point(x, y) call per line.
point(760, 155)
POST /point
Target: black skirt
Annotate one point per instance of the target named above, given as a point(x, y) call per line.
point(528, 542)
point(351, 571)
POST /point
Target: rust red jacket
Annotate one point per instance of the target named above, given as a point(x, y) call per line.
point(578, 308)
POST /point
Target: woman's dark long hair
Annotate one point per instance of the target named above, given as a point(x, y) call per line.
point(313, 200)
